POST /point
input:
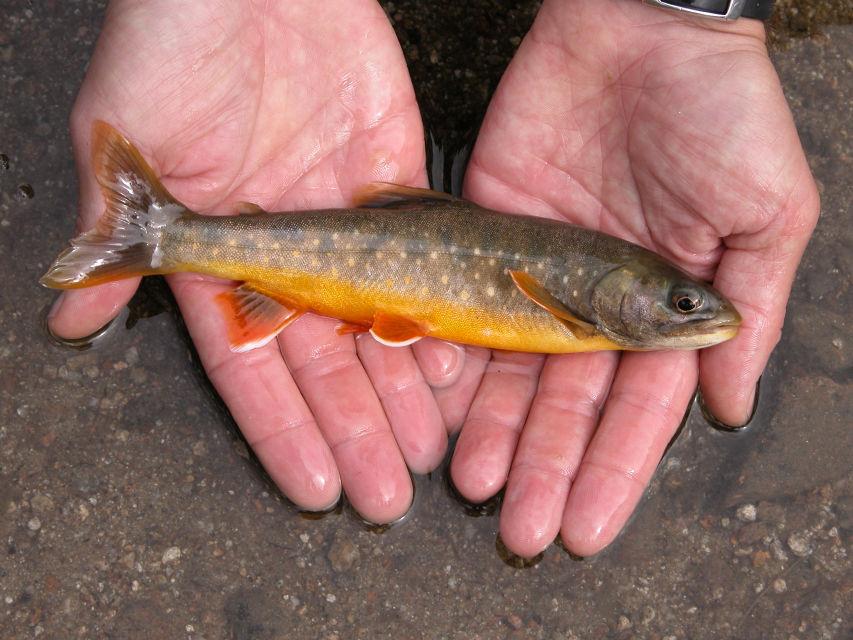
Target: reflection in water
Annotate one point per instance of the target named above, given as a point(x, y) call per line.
point(86, 342)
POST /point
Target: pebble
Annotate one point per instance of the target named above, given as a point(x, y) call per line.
point(624, 623)
point(799, 545)
point(747, 513)
point(171, 555)
point(514, 621)
point(34, 524)
point(343, 555)
point(42, 503)
point(780, 586)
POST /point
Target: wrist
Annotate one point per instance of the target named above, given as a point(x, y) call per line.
point(702, 15)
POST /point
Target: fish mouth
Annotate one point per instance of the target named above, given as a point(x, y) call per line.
point(723, 326)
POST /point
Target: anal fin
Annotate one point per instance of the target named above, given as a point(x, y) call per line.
point(396, 331)
point(253, 318)
point(533, 289)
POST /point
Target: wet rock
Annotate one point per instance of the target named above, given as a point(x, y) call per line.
point(747, 513)
point(42, 503)
point(343, 554)
point(172, 554)
point(799, 545)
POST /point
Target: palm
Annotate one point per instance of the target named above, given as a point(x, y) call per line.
point(288, 107)
point(687, 148)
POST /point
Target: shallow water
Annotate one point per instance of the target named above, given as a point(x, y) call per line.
point(131, 502)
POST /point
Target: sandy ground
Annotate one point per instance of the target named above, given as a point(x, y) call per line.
point(132, 509)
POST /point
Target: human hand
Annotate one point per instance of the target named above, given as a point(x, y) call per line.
point(670, 132)
point(290, 106)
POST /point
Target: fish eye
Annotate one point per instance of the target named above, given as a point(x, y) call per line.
point(686, 303)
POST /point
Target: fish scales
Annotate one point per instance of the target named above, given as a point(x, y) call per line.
point(419, 263)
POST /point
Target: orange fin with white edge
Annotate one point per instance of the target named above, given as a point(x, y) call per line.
point(533, 289)
point(386, 195)
point(253, 318)
point(396, 331)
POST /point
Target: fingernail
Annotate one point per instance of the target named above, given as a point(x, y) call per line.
point(715, 422)
point(56, 306)
point(440, 363)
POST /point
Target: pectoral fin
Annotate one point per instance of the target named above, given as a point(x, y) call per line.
point(396, 331)
point(533, 289)
point(253, 318)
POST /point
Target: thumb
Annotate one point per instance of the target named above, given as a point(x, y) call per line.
point(81, 312)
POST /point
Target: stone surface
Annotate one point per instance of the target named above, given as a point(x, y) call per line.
point(129, 502)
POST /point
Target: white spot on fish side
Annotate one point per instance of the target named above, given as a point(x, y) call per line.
point(335, 236)
point(216, 251)
point(462, 265)
point(491, 262)
point(580, 271)
point(418, 261)
point(315, 241)
point(513, 293)
point(425, 291)
point(490, 291)
point(351, 262)
point(232, 243)
point(444, 279)
point(477, 251)
point(295, 253)
point(403, 254)
point(477, 275)
point(335, 272)
point(464, 294)
point(433, 255)
point(517, 256)
point(314, 262)
point(379, 255)
point(540, 265)
point(575, 293)
point(565, 279)
point(276, 245)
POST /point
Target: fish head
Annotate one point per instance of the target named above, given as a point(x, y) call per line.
point(649, 304)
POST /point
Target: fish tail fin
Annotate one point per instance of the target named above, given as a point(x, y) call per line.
point(126, 241)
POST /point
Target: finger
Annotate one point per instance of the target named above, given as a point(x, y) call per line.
point(408, 402)
point(487, 442)
point(646, 404)
point(81, 312)
point(350, 416)
point(454, 401)
point(758, 283)
point(263, 399)
point(563, 417)
point(440, 362)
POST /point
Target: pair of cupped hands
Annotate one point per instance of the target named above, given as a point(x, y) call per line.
point(668, 131)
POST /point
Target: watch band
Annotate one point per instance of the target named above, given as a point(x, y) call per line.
point(720, 9)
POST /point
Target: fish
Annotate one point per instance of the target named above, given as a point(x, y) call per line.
point(403, 263)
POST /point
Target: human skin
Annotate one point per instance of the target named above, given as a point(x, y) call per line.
point(605, 130)
point(669, 131)
point(290, 106)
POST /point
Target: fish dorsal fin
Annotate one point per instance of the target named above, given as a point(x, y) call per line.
point(248, 208)
point(385, 195)
point(395, 331)
point(253, 318)
point(533, 289)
